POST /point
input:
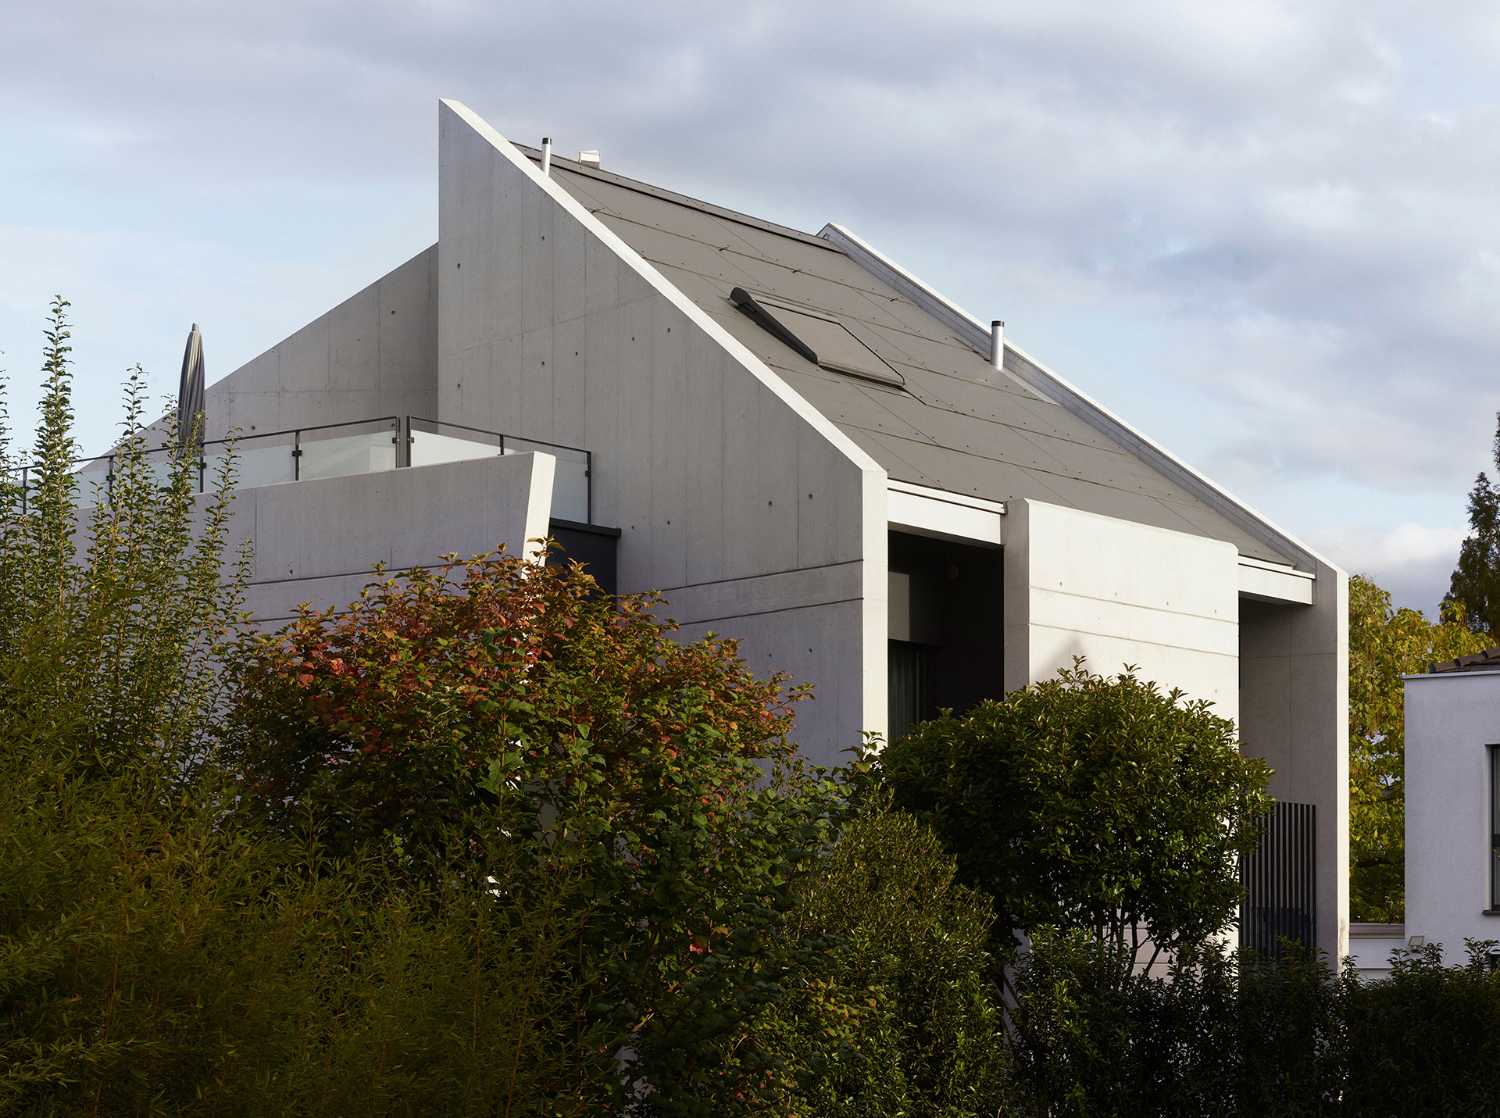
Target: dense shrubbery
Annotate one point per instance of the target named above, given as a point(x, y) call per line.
point(1093, 804)
point(897, 1013)
point(497, 847)
point(1224, 1036)
point(493, 843)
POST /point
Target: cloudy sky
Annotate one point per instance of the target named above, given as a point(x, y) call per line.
point(1267, 234)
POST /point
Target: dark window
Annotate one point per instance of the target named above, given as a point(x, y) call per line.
point(910, 686)
point(1494, 751)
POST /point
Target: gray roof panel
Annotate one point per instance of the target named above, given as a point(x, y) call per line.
point(955, 426)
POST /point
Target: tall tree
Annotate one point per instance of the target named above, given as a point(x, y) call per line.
point(1386, 643)
point(1475, 586)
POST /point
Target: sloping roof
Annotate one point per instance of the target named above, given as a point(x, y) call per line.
point(956, 424)
point(1487, 660)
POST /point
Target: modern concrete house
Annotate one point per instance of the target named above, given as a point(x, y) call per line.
point(1452, 813)
point(804, 447)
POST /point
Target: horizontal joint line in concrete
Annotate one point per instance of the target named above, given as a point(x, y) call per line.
point(1134, 640)
point(1136, 605)
point(767, 612)
point(751, 578)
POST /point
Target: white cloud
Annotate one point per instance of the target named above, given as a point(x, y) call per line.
point(1264, 231)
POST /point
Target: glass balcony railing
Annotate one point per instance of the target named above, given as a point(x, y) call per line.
point(431, 442)
point(341, 449)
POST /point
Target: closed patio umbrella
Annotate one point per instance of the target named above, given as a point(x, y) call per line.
point(190, 389)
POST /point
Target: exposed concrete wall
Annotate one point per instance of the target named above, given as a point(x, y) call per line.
point(1450, 718)
point(753, 513)
point(318, 541)
point(1117, 592)
point(1294, 712)
point(374, 354)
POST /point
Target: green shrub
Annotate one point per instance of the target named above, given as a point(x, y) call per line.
point(1426, 1041)
point(1227, 1035)
point(497, 708)
point(159, 953)
point(1090, 802)
point(891, 1009)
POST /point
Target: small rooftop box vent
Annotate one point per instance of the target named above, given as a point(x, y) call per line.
point(824, 341)
point(589, 158)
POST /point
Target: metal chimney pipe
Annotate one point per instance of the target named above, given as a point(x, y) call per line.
point(997, 344)
point(546, 155)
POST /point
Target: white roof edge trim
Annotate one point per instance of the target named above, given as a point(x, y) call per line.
point(977, 335)
point(668, 290)
point(947, 496)
point(1275, 568)
point(1467, 673)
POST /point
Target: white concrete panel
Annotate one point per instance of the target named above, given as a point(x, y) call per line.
point(818, 643)
point(1294, 712)
point(317, 541)
point(933, 514)
point(354, 340)
point(1268, 583)
point(1371, 950)
point(1450, 719)
point(1118, 593)
point(708, 603)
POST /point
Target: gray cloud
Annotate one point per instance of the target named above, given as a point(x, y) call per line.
point(1266, 230)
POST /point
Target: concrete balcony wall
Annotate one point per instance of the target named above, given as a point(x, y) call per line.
point(318, 541)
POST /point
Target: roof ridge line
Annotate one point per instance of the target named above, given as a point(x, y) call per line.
point(651, 189)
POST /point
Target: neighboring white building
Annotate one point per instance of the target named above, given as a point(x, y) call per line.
point(805, 447)
point(1452, 811)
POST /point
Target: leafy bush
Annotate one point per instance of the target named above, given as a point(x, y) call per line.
point(1215, 1035)
point(1227, 1035)
point(1426, 1041)
point(499, 708)
point(1090, 802)
point(893, 1011)
point(159, 953)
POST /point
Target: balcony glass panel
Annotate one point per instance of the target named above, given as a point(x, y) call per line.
point(570, 483)
point(258, 460)
point(349, 448)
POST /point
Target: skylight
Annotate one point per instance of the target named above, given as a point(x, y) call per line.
point(823, 341)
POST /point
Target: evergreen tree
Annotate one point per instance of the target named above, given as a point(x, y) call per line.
point(1475, 587)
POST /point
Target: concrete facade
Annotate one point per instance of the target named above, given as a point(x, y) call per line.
point(1118, 593)
point(1451, 719)
point(317, 542)
point(761, 491)
point(754, 515)
point(375, 354)
point(1294, 712)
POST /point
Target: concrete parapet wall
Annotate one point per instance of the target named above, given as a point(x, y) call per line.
point(318, 541)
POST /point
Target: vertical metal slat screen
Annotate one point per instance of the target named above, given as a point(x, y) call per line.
point(1280, 882)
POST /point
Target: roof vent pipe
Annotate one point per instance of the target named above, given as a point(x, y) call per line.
point(997, 344)
point(546, 155)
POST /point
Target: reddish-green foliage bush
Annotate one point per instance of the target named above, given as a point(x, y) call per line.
point(499, 710)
